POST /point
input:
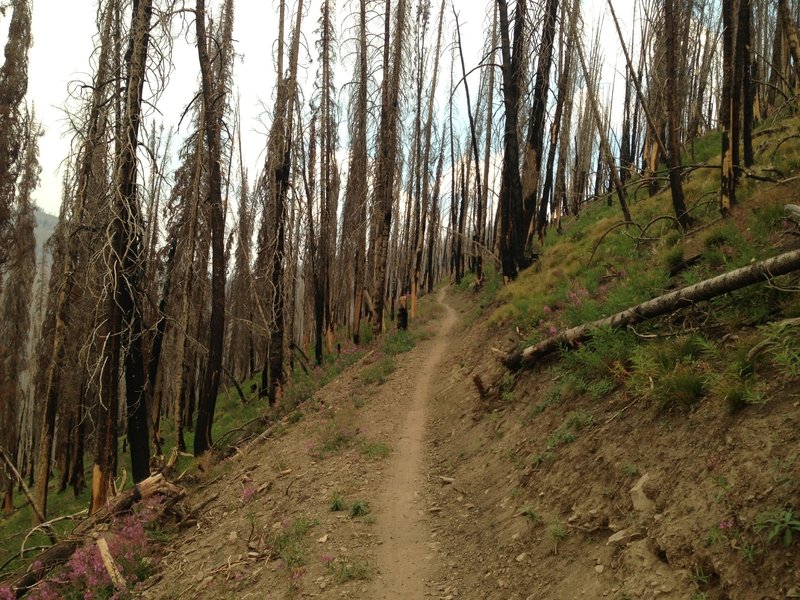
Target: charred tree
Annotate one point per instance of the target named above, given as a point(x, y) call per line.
point(387, 156)
point(213, 96)
point(511, 209)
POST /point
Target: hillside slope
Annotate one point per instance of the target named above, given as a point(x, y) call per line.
point(661, 462)
point(655, 462)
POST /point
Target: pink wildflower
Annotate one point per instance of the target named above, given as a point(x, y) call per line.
point(726, 523)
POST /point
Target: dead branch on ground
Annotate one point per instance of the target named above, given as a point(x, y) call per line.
point(762, 271)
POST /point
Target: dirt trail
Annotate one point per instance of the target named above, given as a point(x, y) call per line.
point(404, 556)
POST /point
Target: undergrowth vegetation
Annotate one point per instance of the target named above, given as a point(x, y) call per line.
point(715, 378)
point(722, 349)
point(237, 420)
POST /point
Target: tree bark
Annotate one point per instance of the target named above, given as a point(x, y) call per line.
point(387, 154)
point(790, 27)
point(511, 213)
point(535, 148)
point(726, 114)
point(673, 108)
point(213, 95)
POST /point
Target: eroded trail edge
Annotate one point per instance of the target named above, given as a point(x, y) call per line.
point(404, 557)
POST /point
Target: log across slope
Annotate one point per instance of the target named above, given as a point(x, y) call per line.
point(705, 290)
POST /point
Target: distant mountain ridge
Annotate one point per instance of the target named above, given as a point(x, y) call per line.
point(45, 226)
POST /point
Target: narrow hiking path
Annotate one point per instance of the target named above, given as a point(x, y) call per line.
point(404, 556)
point(266, 526)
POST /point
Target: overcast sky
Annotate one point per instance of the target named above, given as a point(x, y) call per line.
point(63, 34)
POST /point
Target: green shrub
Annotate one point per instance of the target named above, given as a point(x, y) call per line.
point(375, 449)
point(338, 503)
point(682, 388)
point(781, 524)
point(355, 570)
point(359, 508)
point(578, 419)
point(673, 257)
point(378, 372)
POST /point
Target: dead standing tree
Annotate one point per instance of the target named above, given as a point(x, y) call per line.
point(15, 318)
point(323, 261)
point(419, 234)
point(124, 260)
point(511, 218)
point(387, 154)
point(535, 144)
point(214, 86)
point(474, 147)
point(673, 154)
point(91, 174)
point(13, 86)
point(278, 171)
point(605, 146)
point(355, 209)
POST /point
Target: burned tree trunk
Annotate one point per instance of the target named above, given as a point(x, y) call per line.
point(511, 213)
point(125, 256)
point(387, 154)
point(213, 96)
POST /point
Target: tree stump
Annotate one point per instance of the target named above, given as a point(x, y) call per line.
point(402, 314)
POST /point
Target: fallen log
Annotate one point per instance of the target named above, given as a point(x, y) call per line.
point(705, 290)
point(60, 552)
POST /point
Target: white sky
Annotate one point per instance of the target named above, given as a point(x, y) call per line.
point(63, 39)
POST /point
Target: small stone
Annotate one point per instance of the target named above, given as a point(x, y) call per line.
point(641, 503)
point(521, 557)
point(599, 569)
point(622, 537)
point(323, 539)
point(233, 536)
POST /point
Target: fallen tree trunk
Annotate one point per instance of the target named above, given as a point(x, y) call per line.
point(60, 552)
point(705, 290)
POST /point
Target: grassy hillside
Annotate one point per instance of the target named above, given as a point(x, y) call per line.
point(680, 436)
point(661, 461)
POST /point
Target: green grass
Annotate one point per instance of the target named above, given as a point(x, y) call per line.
point(287, 542)
point(15, 527)
point(337, 503)
point(359, 508)
point(375, 450)
point(351, 570)
point(378, 372)
point(781, 525)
